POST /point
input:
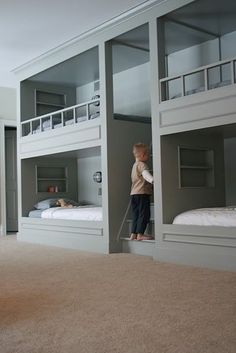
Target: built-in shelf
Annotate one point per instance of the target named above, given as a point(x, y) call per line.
point(196, 167)
point(47, 102)
point(51, 104)
point(51, 179)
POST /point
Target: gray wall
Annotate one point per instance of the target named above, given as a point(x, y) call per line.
point(230, 170)
point(7, 103)
point(131, 90)
point(88, 190)
point(28, 100)
point(29, 195)
point(177, 200)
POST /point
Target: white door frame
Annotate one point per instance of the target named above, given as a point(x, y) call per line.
point(3, 124)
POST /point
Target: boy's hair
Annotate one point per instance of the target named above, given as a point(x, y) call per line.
point(140, 147)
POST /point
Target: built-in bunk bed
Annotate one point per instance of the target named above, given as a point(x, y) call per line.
point(60, 156)
point(197, 95)
point(198, 197)
point(63, 151)
point(197, 61)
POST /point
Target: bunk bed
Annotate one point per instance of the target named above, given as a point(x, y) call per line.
point(74, 129)
point(197, 68)
point(80, 213)
point(78, 227)
point(216, 216)
point(78, 125)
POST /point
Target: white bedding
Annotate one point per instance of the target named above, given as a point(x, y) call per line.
point(81, 213)
point(221, 216)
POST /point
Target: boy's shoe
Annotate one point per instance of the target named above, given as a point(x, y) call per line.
point(133, 236)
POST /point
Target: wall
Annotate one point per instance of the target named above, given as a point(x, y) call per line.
point(177, 200)
point(88, 190)
point(131, 91)
point(7, 103)
point(230, 170)
point(85, 93)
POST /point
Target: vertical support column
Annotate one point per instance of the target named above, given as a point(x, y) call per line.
point(19, 187)
point(157, 67)
point(2, 181)
point(220, 58)
point(106, 111)
point(162, 57)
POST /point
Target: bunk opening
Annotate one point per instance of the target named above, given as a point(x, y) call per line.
point(199, 54)
point(63, 186)
point(63, 95)
point(198, 177)
point(131, 123)
point(131, 75)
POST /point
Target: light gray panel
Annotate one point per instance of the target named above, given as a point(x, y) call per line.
point(230, 170)
point(85, 236)
point(88, 189)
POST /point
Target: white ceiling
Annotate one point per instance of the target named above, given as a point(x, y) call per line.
point(29, 28)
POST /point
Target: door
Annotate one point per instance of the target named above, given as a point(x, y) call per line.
point(11, 180)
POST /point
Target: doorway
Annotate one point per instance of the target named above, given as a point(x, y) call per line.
point(11, 180)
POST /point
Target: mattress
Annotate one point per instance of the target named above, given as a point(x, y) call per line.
point(221, 216)
point(81, 213)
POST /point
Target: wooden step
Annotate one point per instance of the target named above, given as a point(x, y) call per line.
point(143, 247)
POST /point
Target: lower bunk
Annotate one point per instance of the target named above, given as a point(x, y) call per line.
point(202, 246)
point(66, 233)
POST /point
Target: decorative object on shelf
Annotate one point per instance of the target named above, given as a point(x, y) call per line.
point(51, 178)
point(97, 177)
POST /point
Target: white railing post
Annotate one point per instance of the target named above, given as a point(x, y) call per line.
point(31, 128)
point(232, 71)
point(40, 125)
point(51, 122)
point(87, 111)
point(182, 85)
point(206, 79)
point(74, 117)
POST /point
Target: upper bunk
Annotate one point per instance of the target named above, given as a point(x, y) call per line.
point(60, 107)
point(197, 64)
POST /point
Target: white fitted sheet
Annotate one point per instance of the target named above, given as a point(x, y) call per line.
point(81, 213)
point(221, 216)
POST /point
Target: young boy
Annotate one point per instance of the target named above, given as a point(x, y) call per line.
point(141, 190)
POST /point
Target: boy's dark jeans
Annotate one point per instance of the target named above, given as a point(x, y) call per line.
point(140, 205)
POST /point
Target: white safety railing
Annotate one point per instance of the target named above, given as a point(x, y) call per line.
point(204, 71)
point(74, 115)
